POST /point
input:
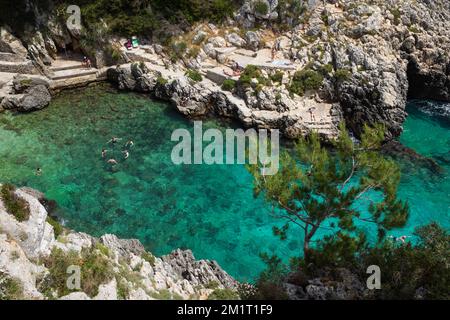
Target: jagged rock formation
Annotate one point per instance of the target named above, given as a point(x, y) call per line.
point(29, 249)
point(372, 55)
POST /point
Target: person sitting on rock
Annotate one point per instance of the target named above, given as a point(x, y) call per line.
point(84, 63)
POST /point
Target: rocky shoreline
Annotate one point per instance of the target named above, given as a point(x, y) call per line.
point(369, 58)
point(352, 61)
point(31, 247)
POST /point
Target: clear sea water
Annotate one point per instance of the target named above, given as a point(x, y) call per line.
point(209, 209)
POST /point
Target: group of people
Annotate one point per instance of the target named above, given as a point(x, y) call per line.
point(113, 141)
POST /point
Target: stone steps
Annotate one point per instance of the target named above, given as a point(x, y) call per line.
point(72, 73)
point(10, 57)
point(73, 82)
point(67, 67)
point(23, 67)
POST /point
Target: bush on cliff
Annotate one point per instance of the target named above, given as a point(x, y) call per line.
point(261, 7)
point(228, 85)
point(95, 270)
point(342, 75)
point(252, 72)
point(144, 17)
point(223, 294)
point(10, 288)
point(194, 75)
point(14, 204)
point(303, 80)
point(58, 229)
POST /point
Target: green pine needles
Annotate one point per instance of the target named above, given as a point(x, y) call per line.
point(317, 186)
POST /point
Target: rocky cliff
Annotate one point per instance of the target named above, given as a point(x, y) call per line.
point(36, 255)
point(319, 62)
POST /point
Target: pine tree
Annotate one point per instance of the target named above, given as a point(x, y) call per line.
point(317, 185)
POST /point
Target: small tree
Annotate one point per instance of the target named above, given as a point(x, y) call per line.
point(319, 186)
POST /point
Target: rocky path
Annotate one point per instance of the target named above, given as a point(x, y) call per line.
point(193, 99)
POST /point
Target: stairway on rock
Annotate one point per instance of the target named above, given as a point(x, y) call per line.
point(66, 73)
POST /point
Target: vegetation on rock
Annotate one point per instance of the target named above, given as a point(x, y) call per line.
point(10, 288)
point(194, 75)
point(303, 80)
point(228, 85)
point(14, 204)
point(95, 270)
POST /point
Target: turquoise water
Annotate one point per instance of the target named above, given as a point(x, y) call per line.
point(209, 209)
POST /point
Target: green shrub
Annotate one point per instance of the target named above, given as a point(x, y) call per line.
point(212, 285)
point(176, 50)
point(14, 204)
point(261, 7)
point(102, 248)
point(58, 229)
point(10, 288)
point(194, 75)
point(342, 75)
point(252, 72)
point(326, 69)
point(161, 81)
point(223, 294)
point(163, 294)
point(303, 80)
point(414, 29)
point(149, 258)
point(122, 289)
point(277, 76)
point(324, 18)
point(193, 52)
point(95, 270)
point(228, 85)
point(397, 16)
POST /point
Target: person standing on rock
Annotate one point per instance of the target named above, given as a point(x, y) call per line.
point(273, 52)
point(311, 113)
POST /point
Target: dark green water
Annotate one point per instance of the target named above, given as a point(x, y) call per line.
point(209, 209)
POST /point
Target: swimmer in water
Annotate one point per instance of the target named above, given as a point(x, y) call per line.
point(104, 151)
point(126, 154)
point(38, 171)
point(129, 143)
point(114, 140)
point(112, 161)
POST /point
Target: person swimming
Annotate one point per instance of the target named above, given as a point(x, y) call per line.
point(126, 154)
point(112, 161)
point(129, 143)
point(38, 171)
point(104, 151)
point(114, 140)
